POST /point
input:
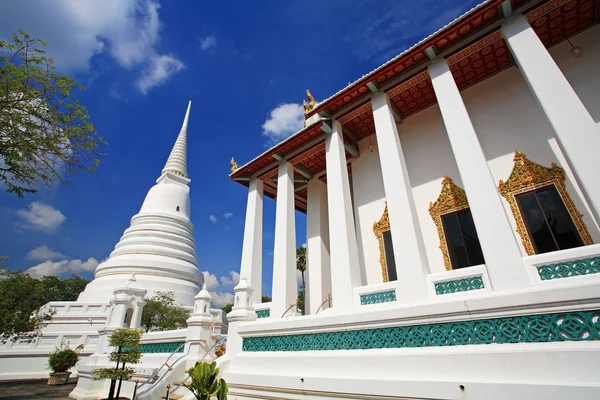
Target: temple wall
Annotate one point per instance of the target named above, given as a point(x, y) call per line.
point(506, 117)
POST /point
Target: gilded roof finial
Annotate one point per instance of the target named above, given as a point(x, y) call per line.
point(311, 103)
point(234, 165)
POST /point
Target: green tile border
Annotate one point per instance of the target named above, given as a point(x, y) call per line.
point(166, 347)
point(459, 285)
point(567, 269)
point(543, 328)
point(378, 297)
point(265, 313)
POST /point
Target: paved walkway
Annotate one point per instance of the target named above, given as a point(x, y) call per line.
point(34, 389)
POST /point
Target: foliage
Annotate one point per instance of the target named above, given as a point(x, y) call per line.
point(300, 300)
point(227, 308)
point(160, 313)
point(205, 383)
point(301, 266)
point(265, 299)
point(45, 133)
point(62, 359)
point(301, 258)
point(21, 297)
point(126, 341)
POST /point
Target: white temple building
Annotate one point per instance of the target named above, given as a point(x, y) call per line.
point(452, 202)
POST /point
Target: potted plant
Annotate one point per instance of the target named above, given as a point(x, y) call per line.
point(60, 361)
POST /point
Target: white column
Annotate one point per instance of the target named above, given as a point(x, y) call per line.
point(409, 249)
point(498, 243)
point(285, 286)
point(251, 267)
point(318, 270)
point(573, 124)
point(345, 270)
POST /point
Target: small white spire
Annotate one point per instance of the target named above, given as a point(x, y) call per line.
point(177, 161)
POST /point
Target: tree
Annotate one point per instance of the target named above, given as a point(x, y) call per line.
point(301, 266)
point(126, 341)
point(160, 313)
point(45, 134)
point(22, 296)
point(227, 308)
point(265, 299)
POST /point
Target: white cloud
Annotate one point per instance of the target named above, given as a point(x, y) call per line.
point(212, 219)
point(43, 253)
point(231, 280)
point(207, 42)
point(55, 268)
point(128, 30)
point(211, 281)
point(283, 121)
point(219, 299)
point(227, 215)
point(41, 217)
point(158, 71)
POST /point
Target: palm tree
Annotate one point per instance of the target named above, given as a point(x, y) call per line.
point(301, 266)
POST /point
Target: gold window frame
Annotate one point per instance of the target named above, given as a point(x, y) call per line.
point(379, 227)
point(451, 199)
point(526, 176)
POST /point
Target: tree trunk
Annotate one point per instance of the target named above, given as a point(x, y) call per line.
point(113, 382)
point(120, 381)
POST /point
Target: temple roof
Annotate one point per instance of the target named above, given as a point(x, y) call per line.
point(472, 45)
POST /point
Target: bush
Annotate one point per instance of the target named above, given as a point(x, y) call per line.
point(63, 359)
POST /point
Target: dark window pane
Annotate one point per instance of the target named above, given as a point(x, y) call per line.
point(469, 234)
point(390, 262)
point(536, 223)
point(454, 241)
point(558, 218)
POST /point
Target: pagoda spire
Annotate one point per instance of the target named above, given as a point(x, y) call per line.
point(177, 161)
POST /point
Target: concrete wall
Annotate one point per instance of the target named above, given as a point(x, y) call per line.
point(506, 117)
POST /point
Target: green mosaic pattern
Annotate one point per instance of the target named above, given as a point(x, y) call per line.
point(266, 313)
point(459, 285)
point(167, 347)
point(559, 327)
point(380, 297)
point(586, 266)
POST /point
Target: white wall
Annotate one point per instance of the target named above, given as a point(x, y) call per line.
point(506, 117)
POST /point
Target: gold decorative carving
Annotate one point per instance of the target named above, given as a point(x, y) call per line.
point(526, 176)
point(451, 199)
point(383, 225)
point(310, 105)
point(234, 165)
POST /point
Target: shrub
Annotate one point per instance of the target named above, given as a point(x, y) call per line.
point(62, 359)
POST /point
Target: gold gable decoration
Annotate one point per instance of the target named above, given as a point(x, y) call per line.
point(451, 199)
point(383, 225)
point(526, 176)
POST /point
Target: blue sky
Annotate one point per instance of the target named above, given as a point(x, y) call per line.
point(247, 65)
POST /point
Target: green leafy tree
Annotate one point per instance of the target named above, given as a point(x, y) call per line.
point(301, 266)
point(205, 383)
point(265, 299)
point(45, 134)
point(160, 313)
point(227, 308)
point(126, 342)
point(22, 296)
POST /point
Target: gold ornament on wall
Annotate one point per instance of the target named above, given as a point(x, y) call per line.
point(383, 225)
point(526, 176)
point(451, 199)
